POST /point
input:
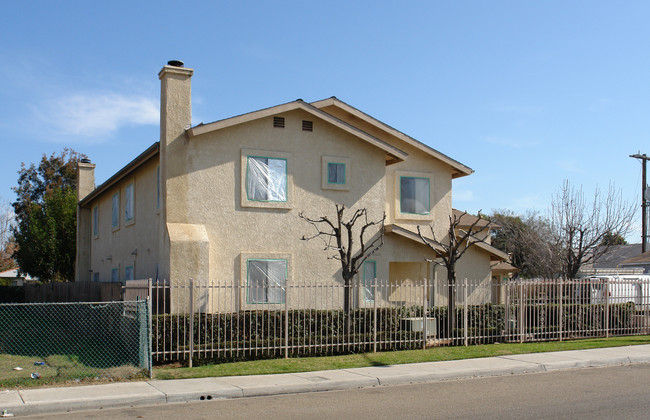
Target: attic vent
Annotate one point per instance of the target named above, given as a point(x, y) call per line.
point(307, 125)
point(278, 122)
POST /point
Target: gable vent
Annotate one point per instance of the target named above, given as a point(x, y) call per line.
point(307, 125)
point(278, 122)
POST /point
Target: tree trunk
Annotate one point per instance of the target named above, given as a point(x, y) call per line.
point(347, 320)
point(451, 303)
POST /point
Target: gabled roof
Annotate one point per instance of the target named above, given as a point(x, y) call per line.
point(122, 173)
point(639, 259)
point(467, 219)
point(394, 154)
point(495, 254)
point(458, 169)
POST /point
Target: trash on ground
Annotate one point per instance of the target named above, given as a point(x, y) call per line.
point(18, 368)
point(35, 375)
point(39, 363)
point(5, 413)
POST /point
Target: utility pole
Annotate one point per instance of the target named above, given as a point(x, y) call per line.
point(644, 199)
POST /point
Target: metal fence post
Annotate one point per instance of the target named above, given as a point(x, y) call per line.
point(560, 307)
point(606, 291)
point(286, 323)
point(465, 323)
point(521, 313)
point(191, 311)
point(374, 305)
point(424, 314)
point(150, 326)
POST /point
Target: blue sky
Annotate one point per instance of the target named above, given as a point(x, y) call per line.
point(525, 93)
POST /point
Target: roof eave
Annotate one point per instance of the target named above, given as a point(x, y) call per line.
point(122, 173)
point(459, 171)
point(394, 154)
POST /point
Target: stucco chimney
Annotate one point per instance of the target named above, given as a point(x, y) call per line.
point(175, 119)
point(85, 178)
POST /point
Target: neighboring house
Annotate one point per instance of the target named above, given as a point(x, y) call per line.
point(219, 202)
point(612, 261)
point(641, 261)
point(14, 276)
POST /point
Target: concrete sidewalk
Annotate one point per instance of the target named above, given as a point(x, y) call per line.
point(50, 400)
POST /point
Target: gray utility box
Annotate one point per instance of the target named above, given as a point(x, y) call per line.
point(416, 325)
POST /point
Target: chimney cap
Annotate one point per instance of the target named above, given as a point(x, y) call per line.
point(85, 160)
point(175, 63)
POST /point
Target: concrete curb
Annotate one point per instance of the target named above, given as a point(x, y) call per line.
point(50, 400)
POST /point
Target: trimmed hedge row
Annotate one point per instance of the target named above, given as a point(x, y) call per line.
point(259, 334)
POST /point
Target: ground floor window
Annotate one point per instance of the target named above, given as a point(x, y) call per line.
point(369, 279)
point(266, 280)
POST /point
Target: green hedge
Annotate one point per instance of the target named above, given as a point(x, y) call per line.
point(320, 332)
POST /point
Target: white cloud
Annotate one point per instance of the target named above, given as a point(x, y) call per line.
point(97, 115)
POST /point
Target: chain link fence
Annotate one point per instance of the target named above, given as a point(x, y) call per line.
point(57, 342)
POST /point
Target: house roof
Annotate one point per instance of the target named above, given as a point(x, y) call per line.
point(503, 267)
point(639, 259)
point(143, 157)
point(495, 254)
point(352, 113)
point(616, 255)
point(394, 154)
point(467, 219)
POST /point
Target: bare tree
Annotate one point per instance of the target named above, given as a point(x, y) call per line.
point(579, 227)
point(452, 248)
point(338, 236)
point(7, 243)
point(528, 239)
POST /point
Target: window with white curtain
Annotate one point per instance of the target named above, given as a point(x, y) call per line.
point(266, 179)
point(267, 281)
point(414, 195)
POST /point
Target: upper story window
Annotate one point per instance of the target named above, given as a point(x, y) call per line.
point(415, 195)
point(115, 210)
point(266, 179)
point(95, 221)
point(335, 173)
point(129, 208)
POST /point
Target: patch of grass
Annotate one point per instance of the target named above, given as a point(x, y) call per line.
point(58, 370)
point(307, 364)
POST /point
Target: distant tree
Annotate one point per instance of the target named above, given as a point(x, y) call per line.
point(611, 239)
point(527, 238)
point(579, 228)
point(45, 209)
point(450, 250)
point(7, 243)
point(339, 237)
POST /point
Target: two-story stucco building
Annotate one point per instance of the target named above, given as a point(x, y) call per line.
point(219, 202)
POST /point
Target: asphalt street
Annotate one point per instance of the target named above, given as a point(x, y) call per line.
point(594, 393)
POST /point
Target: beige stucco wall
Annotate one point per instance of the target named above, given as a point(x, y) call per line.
point(133, 243)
